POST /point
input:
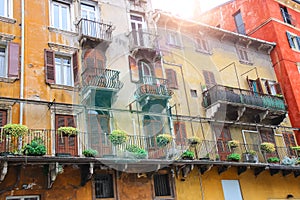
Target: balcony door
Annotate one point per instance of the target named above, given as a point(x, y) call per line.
point(289, 141)
point(223, 135)
point(137, 26)
point(267, 135)
point(89, 23)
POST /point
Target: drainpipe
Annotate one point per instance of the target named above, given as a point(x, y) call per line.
point(22, 69)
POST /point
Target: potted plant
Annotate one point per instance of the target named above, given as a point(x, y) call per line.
point(137, 152)
point(267, 147)
point(188, 155)
point(15, 130)
point(163, 140)
point(289, 161)
point(35, 148)
point(234, 157)
point(233, 143)
point(194, 140)
point(250, 156)
point(68, 130)
point(118, 137)
point(206, 157)
point(273, 160)
point(90, 153)
point(217, 157)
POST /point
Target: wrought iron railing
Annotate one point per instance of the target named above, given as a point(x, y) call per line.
point(142, 39)
point(235, 95)
point(105, 78)
point(94, 29)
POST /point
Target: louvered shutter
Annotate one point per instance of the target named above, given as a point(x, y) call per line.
point(249, 83)
point(49, 66)
point(172, 78)
point(158, 69)
point(3, 117)
point(134, 70)
point(278, 88)
point(259, 86)
point(13, 60)
point(268, 87)
point(75, 68)
point(290, 39)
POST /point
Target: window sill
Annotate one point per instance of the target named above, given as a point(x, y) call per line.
point(8, 80)
point(246, 62)
point(56, 30)
point(175, 45)
point(64, 87)
point(203, 51)
point(7, 20)
point(164, 198)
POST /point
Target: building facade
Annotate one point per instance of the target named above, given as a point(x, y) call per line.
point(81, 72)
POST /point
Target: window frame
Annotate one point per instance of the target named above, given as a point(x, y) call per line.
point(171, 76)
point(11, 61)
point(23, 197)
point(171, 195)
point(293, 40)
point(229, 194)
point(240, 28)
point(287, 18)
point(202, 45)
point(5, 64)
point(113, 184)
point(63, 71)
point(173, 39)
point(8, 9)
point(244, 55)
point(69, 13)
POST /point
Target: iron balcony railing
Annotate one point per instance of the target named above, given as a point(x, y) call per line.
point(240, 96)
point(103, 78)
point(153, 86)
point(94, 29)
point(142, 39)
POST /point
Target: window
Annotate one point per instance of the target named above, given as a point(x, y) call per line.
point(298, 66)
point(89, 20)
point(231, 190)
point(173, 39)
point(294, 41)
point(152, 125)
point(255, 85)
point(172, 78)
point(9, 60)
point(137, 26)
point(60, 15)
point(162, 186)
point(180, 132)
point(194, 93)
point(6, 8)
point(202, 45)
point(223, 135)
point(61, 69)
point(287, 18)
point(104, 186)
point(239, 23)
point(243, 55)
point(209, 79)
point(272, 87)
point(35, 197)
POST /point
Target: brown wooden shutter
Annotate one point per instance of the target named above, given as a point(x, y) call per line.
point(75, 68)
point(3, 117)
point(172, 78)
point(268, 87)
point(158, 69)
point(134, 70)
point(180, 132)
point(249, 83)
point(13, 60)
point(259, 86)
point(278, 88)
point(64, 120)
point(49, 66)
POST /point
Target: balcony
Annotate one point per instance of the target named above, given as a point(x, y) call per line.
point(142, 39)
point(98, 86)
point(152, 91)
point(94, 31)
point(235, 104)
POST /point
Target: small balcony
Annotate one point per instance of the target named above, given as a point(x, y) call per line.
point(153, 90)
point(95, 31)
point(235, 104)
point(98, 86)
point(142, 39)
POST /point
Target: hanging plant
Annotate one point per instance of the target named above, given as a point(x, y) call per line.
point(118, 137)
point(90, 153)
point(67, 130)
point(163, 140)
point(138, 152)
point(194, 140)
point(15, 130)
point(233, 143)
point(267, 147)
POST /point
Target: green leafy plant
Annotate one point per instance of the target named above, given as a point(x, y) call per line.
point(273, 160)
point(217, 157)
point(90, 153)
point(163, 140)
point(118, 137)
point(35, 148)
point(138, 152)
point(233, 143)
point(188, 155)
point(15, 130)
point(297, 148)
point(251, 152)
point(68, 130)
point(194, 140)
point(234, 157)
point(267, 147)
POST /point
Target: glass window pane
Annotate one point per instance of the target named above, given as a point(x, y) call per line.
point(2, 62)
point(231, 190)
point(64, 17)
point(56, 16)
point(2, 8)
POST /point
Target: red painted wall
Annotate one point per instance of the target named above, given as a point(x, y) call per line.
point(263, 20)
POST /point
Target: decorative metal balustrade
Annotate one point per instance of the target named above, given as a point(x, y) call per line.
point(103, 78)
point(93, 29)
point(240, 96)
point(142, 39)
